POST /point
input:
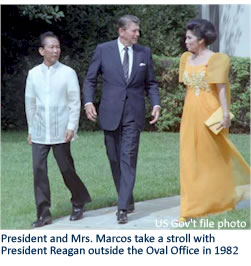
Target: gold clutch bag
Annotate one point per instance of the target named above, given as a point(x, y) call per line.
point(214, 120)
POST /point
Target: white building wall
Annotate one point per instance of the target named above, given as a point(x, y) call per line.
point(205, 12)
point(235, 30)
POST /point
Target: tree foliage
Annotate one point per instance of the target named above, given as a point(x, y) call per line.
point(80, 28)
point(49, 14)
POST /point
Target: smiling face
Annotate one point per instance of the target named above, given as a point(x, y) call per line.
point(192, 43)
point(130, 34)
point(51, 51)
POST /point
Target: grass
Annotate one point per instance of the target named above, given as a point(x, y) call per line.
point(157, 173)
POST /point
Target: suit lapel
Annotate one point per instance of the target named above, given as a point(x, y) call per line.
point(117, 59)
point(136, 58)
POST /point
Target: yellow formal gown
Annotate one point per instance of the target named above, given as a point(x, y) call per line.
point(211, 168)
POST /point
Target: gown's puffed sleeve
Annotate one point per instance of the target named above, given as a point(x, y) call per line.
point(183, 61)
point(218, 68)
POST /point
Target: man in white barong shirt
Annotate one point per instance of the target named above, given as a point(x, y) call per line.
point(52, 105)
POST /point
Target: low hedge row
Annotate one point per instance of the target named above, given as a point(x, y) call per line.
point(171, 92)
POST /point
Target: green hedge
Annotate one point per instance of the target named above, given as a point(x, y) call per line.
point(172, 94)
point(80, 28)
point(240, 90)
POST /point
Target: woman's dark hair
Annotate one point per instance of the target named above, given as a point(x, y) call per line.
point(46, 34)
point(202, 29)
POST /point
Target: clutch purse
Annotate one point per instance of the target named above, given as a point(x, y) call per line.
point(214, 121)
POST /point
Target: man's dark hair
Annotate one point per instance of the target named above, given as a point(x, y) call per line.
point(125, 20)
point(45, 35)
point(202, 29)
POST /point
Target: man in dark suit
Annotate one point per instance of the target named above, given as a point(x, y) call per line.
point(127, 73)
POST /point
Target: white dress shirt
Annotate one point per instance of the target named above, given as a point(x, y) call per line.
point(122, 54)
point(52, 103)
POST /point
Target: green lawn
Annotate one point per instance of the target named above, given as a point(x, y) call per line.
point(157, 174)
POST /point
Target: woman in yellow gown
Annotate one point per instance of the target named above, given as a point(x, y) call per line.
point(210, 165)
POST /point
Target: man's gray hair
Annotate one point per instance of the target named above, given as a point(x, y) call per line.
point(125, 20)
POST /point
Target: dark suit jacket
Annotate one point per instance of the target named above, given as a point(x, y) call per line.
point(106, 60)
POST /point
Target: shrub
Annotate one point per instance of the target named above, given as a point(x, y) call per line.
point(80, 28)
point(172, 94)
point(80, 31)
point(240, 90)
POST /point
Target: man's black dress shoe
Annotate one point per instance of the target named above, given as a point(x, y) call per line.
point(122, 216)
point(77, 213)
point(41, 221)
point(130, 208)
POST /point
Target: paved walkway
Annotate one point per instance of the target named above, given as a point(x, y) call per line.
point(150, 214)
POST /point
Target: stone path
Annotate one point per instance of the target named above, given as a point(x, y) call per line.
point(150, 214)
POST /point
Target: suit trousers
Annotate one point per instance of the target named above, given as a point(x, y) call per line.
point(122, 150)
point(65, 163)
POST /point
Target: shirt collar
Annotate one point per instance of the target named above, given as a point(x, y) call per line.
point(54, 66)
point(122, 46)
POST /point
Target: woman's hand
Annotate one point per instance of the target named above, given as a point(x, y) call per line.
point(225, 123)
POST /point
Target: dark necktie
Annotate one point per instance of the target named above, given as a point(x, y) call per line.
point(126, 64)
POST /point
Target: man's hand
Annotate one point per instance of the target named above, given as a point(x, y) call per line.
point(90, 111)
point(29, 139)
point(155, 114)
point(69, 134)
